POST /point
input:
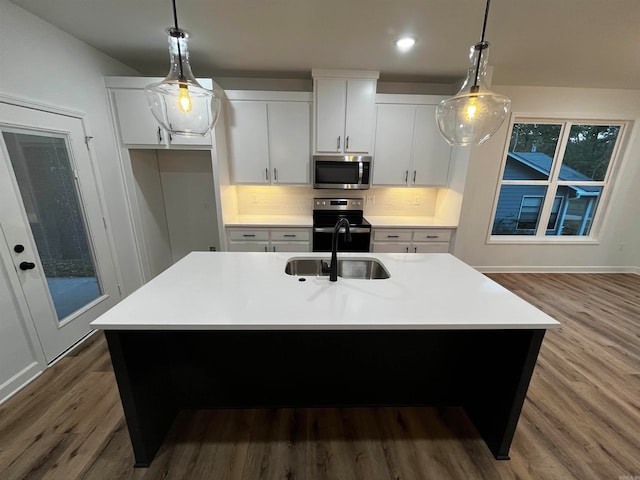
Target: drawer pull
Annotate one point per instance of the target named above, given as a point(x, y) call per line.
point(248, 235)
point(433, 236)
point(393, 236)
point(290, 235)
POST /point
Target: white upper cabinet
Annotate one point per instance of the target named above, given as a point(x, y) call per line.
point(269, 139)
point(431, 153)
point(408, 148)
point(135, 121)
point(344, 111)
point(249, 142)
point(289, 141)
point(136, 125)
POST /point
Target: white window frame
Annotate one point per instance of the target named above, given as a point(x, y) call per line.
point(552, 183)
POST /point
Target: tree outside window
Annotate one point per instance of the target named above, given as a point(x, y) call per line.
point(554, 176)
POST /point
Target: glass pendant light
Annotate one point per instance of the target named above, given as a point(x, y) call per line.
point(180, 104)
point(475, 112)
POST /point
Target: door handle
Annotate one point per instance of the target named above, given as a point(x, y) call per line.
point(414, 176)
point(346, 143)
point(27, 266)
point(406, 176)
point(338, 142)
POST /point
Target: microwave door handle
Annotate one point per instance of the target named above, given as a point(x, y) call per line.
point(360, 172)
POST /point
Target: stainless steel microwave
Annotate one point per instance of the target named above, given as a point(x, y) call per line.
point(346, 172)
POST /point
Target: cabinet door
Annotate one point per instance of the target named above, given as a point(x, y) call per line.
point(289, 142)
point(248, 246)
point(392, 154)
point(290, 247)
point(395, 247)
point(330, 101)
point(431, 153)
point(249, 144)
point(136, 123)
point(430, 247)
point(360, 115)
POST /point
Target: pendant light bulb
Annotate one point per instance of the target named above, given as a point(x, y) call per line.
point(184, 99)
point(475, 113)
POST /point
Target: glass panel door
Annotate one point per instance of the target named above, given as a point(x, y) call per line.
point(47, 186)
point(52, 227)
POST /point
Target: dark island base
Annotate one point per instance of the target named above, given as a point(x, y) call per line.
point(487, 372)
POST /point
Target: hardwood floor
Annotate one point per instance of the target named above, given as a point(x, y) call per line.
point(581, 419)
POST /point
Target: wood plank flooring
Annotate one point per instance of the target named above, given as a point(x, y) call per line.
point(581, 419)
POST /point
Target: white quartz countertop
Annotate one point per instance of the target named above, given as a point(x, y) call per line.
point(251, 291)
point(399, 221)
point(269, 221)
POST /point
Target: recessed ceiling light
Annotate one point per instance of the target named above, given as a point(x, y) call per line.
point(405, 43)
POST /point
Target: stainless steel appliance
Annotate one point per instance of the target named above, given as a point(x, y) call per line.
point(347, 172)
point(327, 212)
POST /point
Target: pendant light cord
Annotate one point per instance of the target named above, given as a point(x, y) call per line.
point(481, 44)
point(175, 21)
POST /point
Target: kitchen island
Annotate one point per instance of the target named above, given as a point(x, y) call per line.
point(233, 330)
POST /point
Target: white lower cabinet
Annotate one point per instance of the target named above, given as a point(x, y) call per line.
point(266, 239)
point(409, 240)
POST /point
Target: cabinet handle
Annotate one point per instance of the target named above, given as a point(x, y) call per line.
point(275, 174)
point(407, 249)
point(289, 235)
point(274, 248)
point(248, 235)
point(265, 248)
point(415, 249)
point(346, 143)
point(406, 176)
point(433, 236)
point(159, 135)
point(414, 176)
point(393, 236)
point(170, 137)
point(338, 142)
point(266, 174)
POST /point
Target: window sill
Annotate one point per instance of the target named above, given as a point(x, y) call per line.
point(530, 240)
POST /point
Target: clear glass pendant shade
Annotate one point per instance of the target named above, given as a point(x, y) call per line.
point(180, 104)
point(475, 112)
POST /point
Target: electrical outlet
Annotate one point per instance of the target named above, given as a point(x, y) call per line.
point(371, 199)
point(416, 200)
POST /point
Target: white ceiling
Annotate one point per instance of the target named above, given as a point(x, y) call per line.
point(581, 43)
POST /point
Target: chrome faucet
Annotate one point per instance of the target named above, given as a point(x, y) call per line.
point(333, 267)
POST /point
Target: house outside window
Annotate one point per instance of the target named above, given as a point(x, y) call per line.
point(530, 212)
point(554, 177)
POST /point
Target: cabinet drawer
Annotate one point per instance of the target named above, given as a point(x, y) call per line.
point(392, 235)
point(290, 235)
point(432, 235)
point(248, 235)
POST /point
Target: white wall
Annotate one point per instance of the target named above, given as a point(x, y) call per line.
point(622, 224)
point(41, 63)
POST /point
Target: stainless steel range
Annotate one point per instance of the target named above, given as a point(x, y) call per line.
point(326, 213)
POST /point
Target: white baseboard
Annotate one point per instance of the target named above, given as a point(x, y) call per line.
point(20, 380)
point(548, 269)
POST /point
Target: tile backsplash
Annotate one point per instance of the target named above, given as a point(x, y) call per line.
point(257, 200)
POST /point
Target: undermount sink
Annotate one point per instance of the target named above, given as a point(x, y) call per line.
point(358, 268)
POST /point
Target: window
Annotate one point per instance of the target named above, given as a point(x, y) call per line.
point(530, 212)
point(554, 176)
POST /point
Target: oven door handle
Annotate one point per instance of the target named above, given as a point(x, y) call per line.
point(342, 230)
